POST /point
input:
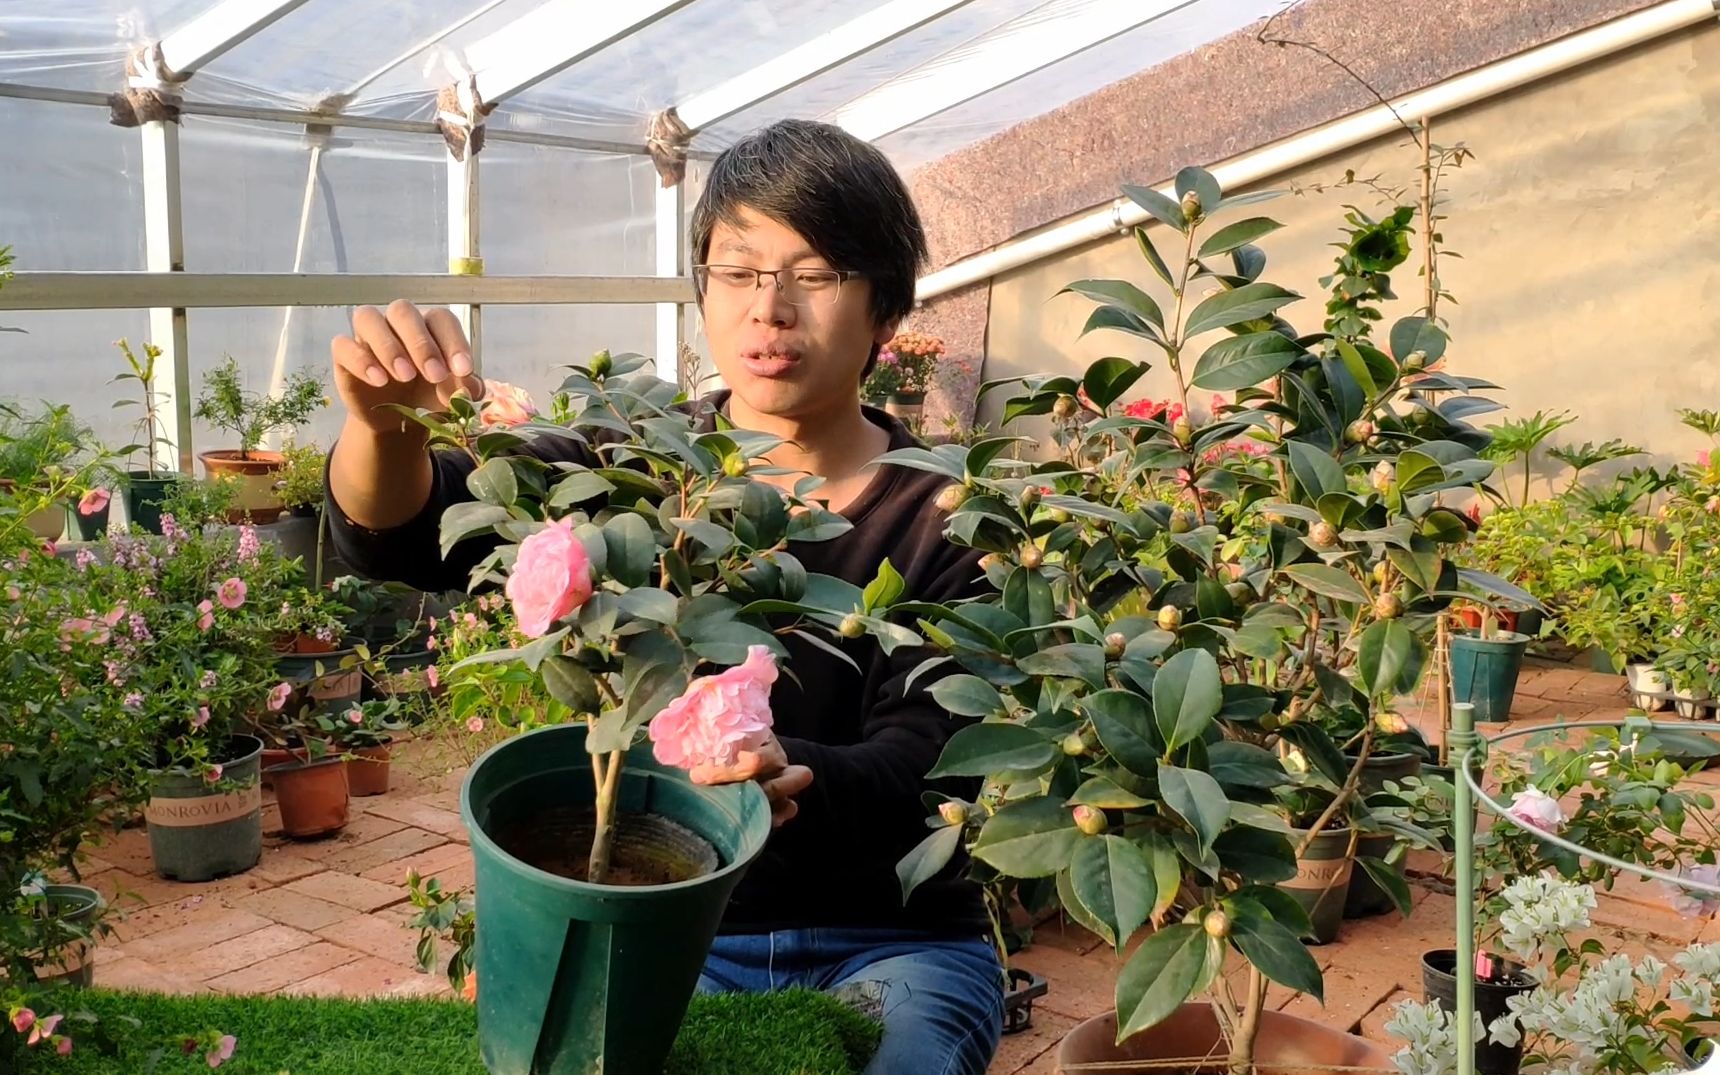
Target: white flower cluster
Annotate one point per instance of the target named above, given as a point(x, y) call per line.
point(1431, 1034)
point(1542, 907)
point(1695, 988)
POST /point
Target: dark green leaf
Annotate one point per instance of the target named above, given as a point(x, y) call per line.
point(1318, 472)
point(928, 858)
point(1498, 587)
point(1317, 746)
point(1227, 308)
point(1418, 334)
point(884, 590)
point(1125, 728)
point(1187, 694)
point(1151, 254)
point(1107, 379)
point(1197, 799)
point(1159, 978)
point(1106, 794)
point(714, 540)
point(1327, 581)
point(646, 603)
point(987, 748)
point(1115, 317)
point(1244, 361)
point(461, 521)
point(1390, 658)
point(1120, 293)
point(1030, 838)
point(1241, 233)
point(1278, 953)
point(1026, 406)
point(1389, 881)
point(967, 696)
point(1202, 183)
point(817, 524)
point(1262, 857)
point(1114, 883)
point(1244, 765)
point(763, 517)
point(570, 684)
point(1161, 208)
point(579, 487)
point(1074, 660)
point(495, 483)
point(632, 549)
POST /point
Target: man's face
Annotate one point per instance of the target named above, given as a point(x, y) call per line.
point(790, 351)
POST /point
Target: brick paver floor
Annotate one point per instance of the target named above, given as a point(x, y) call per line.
point(329, 916)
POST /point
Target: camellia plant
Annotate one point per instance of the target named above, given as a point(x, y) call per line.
point(1184, 606)
point(663, 555)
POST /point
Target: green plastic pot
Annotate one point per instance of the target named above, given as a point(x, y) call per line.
point(1364, 898)
point(81, 907)
point(1484, 673)
point(1322, 881)
point(581, 978)
point(199, 831)
point(143, 495)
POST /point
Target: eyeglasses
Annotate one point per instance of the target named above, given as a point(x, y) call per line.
point(801, 287)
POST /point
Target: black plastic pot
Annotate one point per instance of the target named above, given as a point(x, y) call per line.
point(1364, 898)
point(1439, 984)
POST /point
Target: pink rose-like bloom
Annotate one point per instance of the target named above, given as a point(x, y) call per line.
point(355, 716)
point(1701, 459)
point(44, 1029)
point(505, 405)
point(1537, 809)
point(23, 1020)
point(222, 1052)
point(93, 501)
point(213, 775)
point(718, 716)
point(474, 724)
point(201, 718)
point(231, 593)
point(278, 695)
point(551, 578)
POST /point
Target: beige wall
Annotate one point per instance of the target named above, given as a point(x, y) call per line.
point(1588, 221)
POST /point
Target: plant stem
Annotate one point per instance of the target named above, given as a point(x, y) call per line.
point(603, 841)
point(1342, 799)
point(1242, 1043)
point(1427, 218)
point(1175, 351)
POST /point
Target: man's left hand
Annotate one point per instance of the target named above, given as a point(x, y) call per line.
point(769, 766)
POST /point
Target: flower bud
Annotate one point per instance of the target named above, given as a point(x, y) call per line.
point(1191, 206)
point(1074, 745)
point(1032, 556)
point(1059, 516)
point(1065, 407)
point(1170, 618)
point(1115, 643)
point(1391, 723)
point(1183, 430)
point(1415, 362)
point(1381, 570)
point(853, 626)
point(1181, 522)
point(1359, 431)
point(989, 561)
point(1323, 535)
point(1384, 476)
point(1388, 606)
point(1216, 924)
point(734, 466)
point(953, 813)
point(601, 364)
point(1029, 497)
point(1240, 592)
point(951, 497)
point(1090, 820)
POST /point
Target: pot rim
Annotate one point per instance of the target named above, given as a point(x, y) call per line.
point(526, 872)
point(1513, 967)
point(1500, 639)
point(253, 460)
point(298, 764)
point(90, 901)
point(234, 755)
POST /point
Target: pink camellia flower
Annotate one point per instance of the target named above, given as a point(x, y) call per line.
point(718, 716)
point(213, 775)
point(474, 724)
point(1537, 809)
point(278, 695)
point(505, 405)
point(551, 578)
point(222, 1052)
point(93, 501)
point(231, 593)
point(23, 1019)
point(201, 718)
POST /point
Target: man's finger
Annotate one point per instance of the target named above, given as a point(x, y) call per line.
point(783, 811)
point(372, 328)
point(787, 784)
point(356, 360)
point(450, 339)
point(408, 324)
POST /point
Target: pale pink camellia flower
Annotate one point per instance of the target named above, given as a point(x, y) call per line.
point(474, 724)
point(213, 775)
point(718, 716)
point(23, 1019)
point(1713, 505)
point(551, 578)
point(505, 405)
point(201, 718)
point(231, 593)
point(1536, 809)
point(222, 1052)
point(278, 695)
point(93, 501)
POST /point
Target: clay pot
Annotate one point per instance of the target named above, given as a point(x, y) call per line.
point(367, 770)
point(312, 795)
point(257, 502)
point(1286, 1046)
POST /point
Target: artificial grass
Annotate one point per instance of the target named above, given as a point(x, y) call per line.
point(794, 1032)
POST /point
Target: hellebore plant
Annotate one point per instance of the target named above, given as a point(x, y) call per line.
point(663, 554)
point(1176, 628)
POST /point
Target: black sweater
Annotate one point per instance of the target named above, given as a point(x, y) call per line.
point(868, 742)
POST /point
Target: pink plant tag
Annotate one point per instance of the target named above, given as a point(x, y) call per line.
point(1483, 966)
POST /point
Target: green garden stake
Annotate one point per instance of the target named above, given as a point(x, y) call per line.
point(1461, 741)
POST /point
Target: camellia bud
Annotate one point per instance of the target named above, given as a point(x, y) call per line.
point(852, 626)
point(1323, 535)
point(734, 466)
point(1170, 618)
point(953, 813)
point(601, 363)
point(1090, 820)
point(951, 497)
point(1115, 643)
point(1059, 516)
point(1029, 497)
point(1191, 206)
point(1381, 570)
point(1415, 362)
point(1181, 522)
point(1183, 430)
point(1359, 431)
point(1384, 475)
point(1388, 606)
point(1074, 745)
point(1391, 723)
point(990, 560)
point(1216, 924)
point(1032, 556)
point(1240, 592)
point(1065, 407)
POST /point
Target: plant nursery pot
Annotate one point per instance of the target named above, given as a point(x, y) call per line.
point(81, 527)
point(367, 770)
point(296, 535)
point(1380, 768)
point(312, 795)
point(1505, 619)
point(142, 495)
point(1693, 705)
point(1322, 881)
point(1364, 898)
point(198, 832)
point(1287, 1045)
point(49, 524)
point(907, 406)
point(1484, 673)
point(1648, 685)
point(81, 906)
point(575, 977)
point(257, 500)
point(336, 688)
point(1439, 984)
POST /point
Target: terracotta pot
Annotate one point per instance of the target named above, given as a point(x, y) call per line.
point(49, 524)
point(312, 796)
point(367, 770)
point(274, 756)
point(258, 502)
point(1286, 1046)
point(1504, 620)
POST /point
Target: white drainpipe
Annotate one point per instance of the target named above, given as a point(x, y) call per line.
point(1454, 93)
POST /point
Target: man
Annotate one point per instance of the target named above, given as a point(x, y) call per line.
point(806, 246)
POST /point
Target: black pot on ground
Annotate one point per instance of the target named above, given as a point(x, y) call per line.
point(1365, 898)
point(1439, 984)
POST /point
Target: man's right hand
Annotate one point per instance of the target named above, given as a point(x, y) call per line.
point(401, 355)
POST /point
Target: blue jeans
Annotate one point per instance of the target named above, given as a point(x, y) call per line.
point(940, 998)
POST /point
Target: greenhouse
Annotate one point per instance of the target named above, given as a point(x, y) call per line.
point(904, 536)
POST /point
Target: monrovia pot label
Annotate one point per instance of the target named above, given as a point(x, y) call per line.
point(1319, 874)
point(204, 810)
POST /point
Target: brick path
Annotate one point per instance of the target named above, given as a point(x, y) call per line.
point(328, 916)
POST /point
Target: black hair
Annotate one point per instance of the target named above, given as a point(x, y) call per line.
point(839, 192)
